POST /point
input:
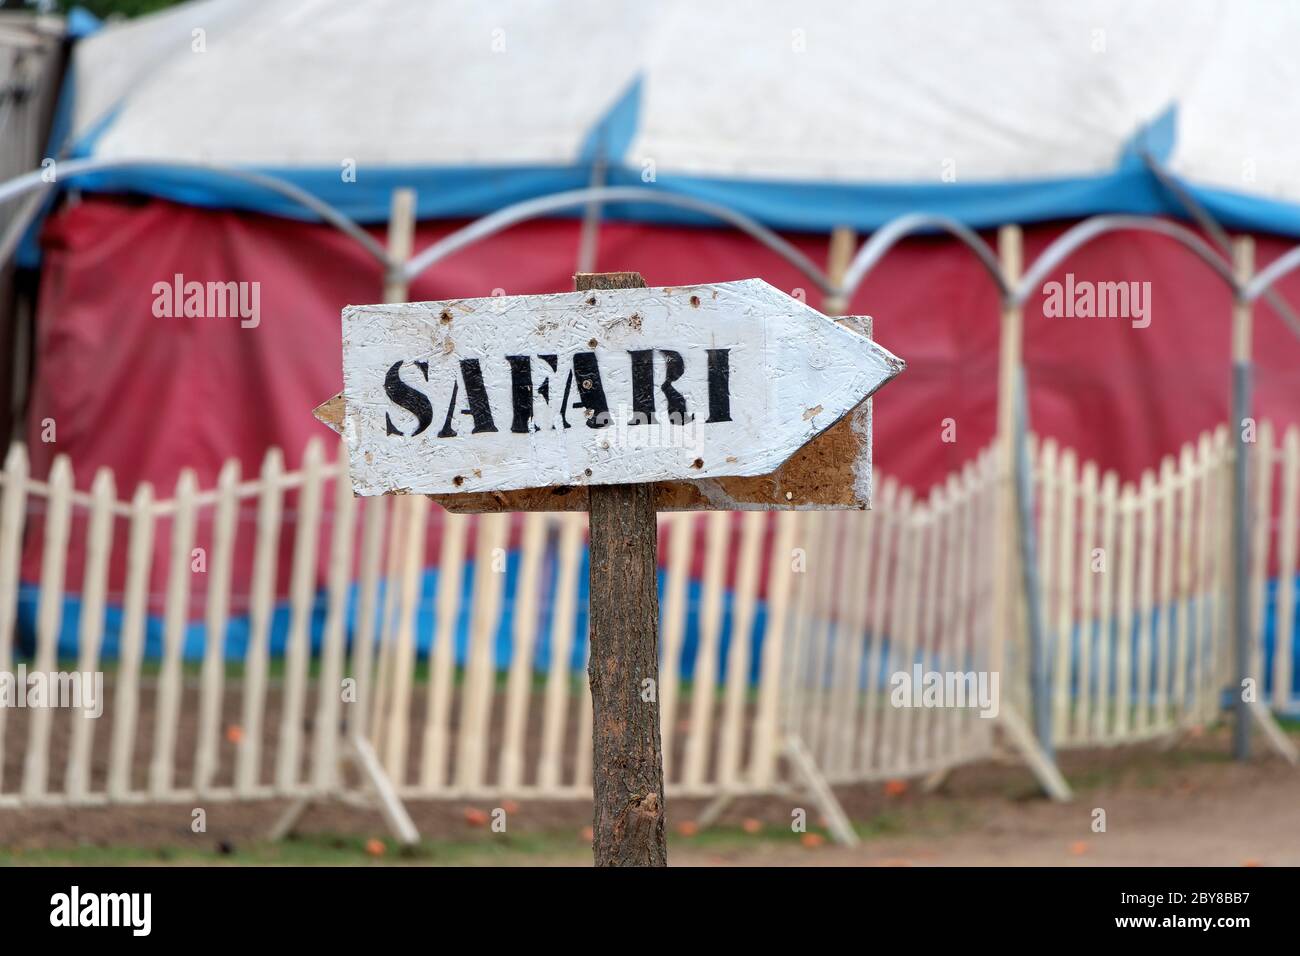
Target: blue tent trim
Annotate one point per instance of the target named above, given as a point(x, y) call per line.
point(450, 192)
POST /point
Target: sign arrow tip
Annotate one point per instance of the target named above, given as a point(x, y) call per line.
point(330, 413)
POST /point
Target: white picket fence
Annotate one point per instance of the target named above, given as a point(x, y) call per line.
point(1136, 585)
point(908, 583)
point(1135, 593)
point(848, 599)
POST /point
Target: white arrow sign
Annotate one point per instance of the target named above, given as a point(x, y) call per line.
point(588, 388)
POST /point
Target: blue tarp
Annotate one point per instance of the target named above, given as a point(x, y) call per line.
point(239, 628)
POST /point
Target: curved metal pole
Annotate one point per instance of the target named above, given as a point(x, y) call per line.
point(1081, 234)
point(894, 231)
point(866, 259)
point(1210, 226)
point(533, 208)
point(72, 168)
point(1276, 270)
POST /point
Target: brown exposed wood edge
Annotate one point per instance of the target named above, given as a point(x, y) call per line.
point(330, 413)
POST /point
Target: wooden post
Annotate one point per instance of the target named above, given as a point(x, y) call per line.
point(401, 242)
point(843, 244)
point(624, 662)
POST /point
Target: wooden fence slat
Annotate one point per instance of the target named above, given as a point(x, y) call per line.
point(681, 536)
point(704, 689)
point(1105, 581)
point(13, 514)
point(889, 535)
point(894, 655)
point(131, 643)
point(559, 679)
point(902, 747)
point(175, 612)
point(1261, 477)
point(1146, 562)
point(795, 670)
point(935, 580)
point(369, 573)
point(765, 743)
point(519, 682)
point(1047, 497)
point(248, 760)
point(823, 565)
point(859, 577)
point(583, 742)
point(963, 604)
point(1063, 643)
point(213, 674)
point(1205, 535)
point(1087, 587)
point(752, 526)
point(327, 725)
point(989, 515)
point(480, 665)
point(1124, 629)
point(436, 756)
point(90, 631)
point(1288, 528)
point(402, 641)
point(386, 637)
point(1166, 597)
point(847, 589)
point(297, 648)
point(1184, 630)
point(948, 599)
point(49, 619)
point(821, 740)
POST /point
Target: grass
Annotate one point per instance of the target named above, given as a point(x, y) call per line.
point(553, 847)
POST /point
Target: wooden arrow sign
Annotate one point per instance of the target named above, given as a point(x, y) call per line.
point(712, 385)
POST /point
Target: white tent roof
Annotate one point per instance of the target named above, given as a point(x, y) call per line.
point(800, 112)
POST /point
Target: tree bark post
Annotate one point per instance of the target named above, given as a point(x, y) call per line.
point(623, 666)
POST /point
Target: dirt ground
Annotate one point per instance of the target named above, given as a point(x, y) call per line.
point(1185, 805)
point(1176, 809)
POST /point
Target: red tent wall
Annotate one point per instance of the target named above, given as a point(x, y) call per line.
point(149, 396)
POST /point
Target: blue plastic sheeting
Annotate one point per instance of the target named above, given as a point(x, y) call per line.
point(471, 191)
point(81, 23)
point(455, 192)
point(237, 634)
point(238, 628)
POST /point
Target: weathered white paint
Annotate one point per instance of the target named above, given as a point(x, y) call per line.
point(792, 373)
